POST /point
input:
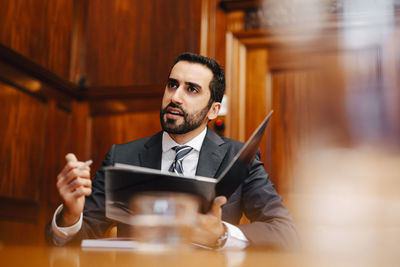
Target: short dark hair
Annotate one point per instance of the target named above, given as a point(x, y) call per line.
point(217, 84)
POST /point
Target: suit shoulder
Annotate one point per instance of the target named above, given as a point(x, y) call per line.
point(139, 143)
point(135, 143)
point(232, 142)
point(222, 140)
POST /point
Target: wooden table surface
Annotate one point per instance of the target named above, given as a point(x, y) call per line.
point(78, 257)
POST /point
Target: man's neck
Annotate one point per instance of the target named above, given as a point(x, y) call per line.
point(184, 138)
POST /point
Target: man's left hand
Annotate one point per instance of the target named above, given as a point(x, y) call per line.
point(209, 227)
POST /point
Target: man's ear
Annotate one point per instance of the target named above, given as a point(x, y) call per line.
point(214, 110)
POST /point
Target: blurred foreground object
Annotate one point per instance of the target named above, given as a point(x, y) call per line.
point(330, 69)
point(163, 222)
point(348, 203)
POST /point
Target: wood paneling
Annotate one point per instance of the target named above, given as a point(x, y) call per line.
point(256, 100)
point(39, 30)
point(34, 79)
point(35, 135)
point(291, 99)
point(66, 132)
point(135, 42)
point(22, 137)
point(232, 5)
point(18, 232)
point(19, 210)
point(213, 28)
point(58, 143)
point(120, 106)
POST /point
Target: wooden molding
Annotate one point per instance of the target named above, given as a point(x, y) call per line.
point(28, 67)
point(78, 41)
point(234, 5)
point(122, 92)
point(29, 77)
point(235, 81)
point(18, 210)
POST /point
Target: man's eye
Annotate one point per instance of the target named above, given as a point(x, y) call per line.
point(172, 85)
point(192, 89)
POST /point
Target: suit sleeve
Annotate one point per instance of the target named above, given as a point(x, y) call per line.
point(271, 224)
point(94, 223)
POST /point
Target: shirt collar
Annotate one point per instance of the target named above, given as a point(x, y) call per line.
point(196, 143)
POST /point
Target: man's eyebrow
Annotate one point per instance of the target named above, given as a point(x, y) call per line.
point(172, 80)
point(195, 85)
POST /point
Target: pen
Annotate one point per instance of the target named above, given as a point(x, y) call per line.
point(85, 164)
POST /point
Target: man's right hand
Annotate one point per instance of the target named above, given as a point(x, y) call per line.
point(73, 185)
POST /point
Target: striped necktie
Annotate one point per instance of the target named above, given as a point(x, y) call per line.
point(181, 153)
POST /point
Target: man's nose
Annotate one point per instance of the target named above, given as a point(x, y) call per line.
point(178, 95)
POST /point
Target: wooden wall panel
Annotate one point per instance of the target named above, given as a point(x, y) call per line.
point(58, 143)
point(21, 26)
point(22, 137)
point(17, 233)
point(257, 102)
point(22, 164)
point(56, 49)
point(213, 29)
point(135, 42)
point(219, 41)
point(292, 90)
point(40, 30)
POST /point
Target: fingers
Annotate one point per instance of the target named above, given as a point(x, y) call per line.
point(73, 173)
point(70, 166)
point(209, 228)
point(82, 191)
point(77, 183)
point(77, 189)
point(216, 209)
point(73, 184)
point(74, 181)
point(219, 201)
point(70, 157)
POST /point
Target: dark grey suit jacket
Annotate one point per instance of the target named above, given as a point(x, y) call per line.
point(271, 224)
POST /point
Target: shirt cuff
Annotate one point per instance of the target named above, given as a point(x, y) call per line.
point(236, 239)
point(63, 234)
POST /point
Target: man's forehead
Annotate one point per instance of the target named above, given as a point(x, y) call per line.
point(191, 72)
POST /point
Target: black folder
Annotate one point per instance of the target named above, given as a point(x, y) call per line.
point(123, 181)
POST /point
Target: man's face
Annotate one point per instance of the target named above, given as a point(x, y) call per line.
point(185, 104)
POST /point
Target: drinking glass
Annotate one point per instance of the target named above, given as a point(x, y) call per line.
point(163, 221)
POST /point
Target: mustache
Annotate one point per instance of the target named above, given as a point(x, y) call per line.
point(173, 105)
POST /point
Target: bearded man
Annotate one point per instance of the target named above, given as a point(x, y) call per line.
point(192, 98)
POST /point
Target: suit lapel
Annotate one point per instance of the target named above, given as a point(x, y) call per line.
point(211, 155)
point(150, 156)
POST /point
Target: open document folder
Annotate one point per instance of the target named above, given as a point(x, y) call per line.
point(123, 181)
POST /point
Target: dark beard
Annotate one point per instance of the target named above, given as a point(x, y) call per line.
point(190, 121)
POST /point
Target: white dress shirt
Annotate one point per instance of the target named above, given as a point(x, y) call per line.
point(236, 239)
